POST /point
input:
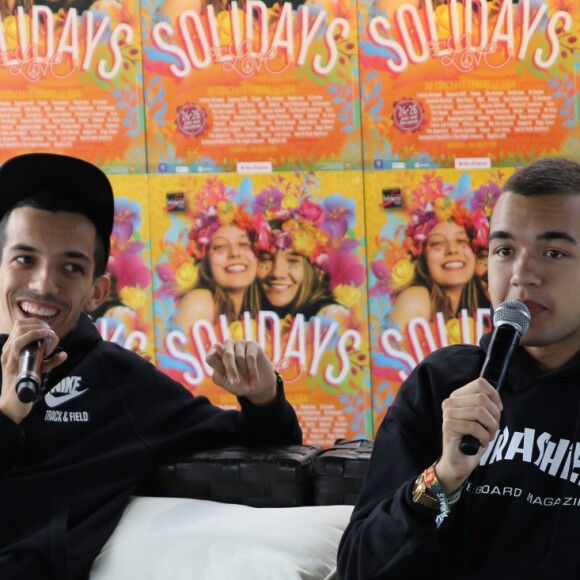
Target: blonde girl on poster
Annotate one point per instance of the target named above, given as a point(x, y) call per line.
point(442, 240)
point(306, 262)
point(288, 279)
point(221, 242)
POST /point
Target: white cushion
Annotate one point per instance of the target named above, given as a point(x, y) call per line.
point(190, 539)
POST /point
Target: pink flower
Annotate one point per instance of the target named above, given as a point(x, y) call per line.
point(283, 240)
point(264, 235)
point(481, 230)
point(312, 212)
point(129, 270)
point(345, 268)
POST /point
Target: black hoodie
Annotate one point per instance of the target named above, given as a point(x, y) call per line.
point(517, 519)
point(67, 470)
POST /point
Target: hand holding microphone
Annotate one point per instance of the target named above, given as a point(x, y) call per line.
point(27, 355)
point(511, 320)
point(29, 377)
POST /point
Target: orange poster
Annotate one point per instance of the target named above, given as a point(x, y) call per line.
point(279, 259)
point(70, 82)
point(468, 85)
point(251, 86)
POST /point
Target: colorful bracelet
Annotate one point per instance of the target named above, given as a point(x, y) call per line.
point(428, 492)
point(434, 489)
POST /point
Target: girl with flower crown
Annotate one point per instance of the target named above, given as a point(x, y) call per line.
point(221, 242)
point(288, 281)
point(442, 242)
point(292, 252)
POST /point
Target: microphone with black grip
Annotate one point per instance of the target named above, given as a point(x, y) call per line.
point(29, 376)
point(511, 319)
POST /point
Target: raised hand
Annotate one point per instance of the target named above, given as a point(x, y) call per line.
point(242, 368)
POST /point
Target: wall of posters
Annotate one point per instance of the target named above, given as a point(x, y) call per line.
point(337, 143)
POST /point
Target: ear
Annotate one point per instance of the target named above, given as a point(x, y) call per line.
point(101, 288)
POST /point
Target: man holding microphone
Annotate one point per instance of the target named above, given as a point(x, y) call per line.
point(75, 447)
point(509, 507)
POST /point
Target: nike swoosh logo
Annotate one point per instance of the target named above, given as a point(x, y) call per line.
point(55, 400)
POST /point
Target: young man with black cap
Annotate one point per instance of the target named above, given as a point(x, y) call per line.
point(104, 416)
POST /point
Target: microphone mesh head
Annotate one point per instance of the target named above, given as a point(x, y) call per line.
point(513, 312)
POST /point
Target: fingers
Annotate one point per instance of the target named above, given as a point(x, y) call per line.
point(214, 360)
point(30, 330)
point(473, 410)
point(479, 387)
point(483, 429)
point(23, 333)
point(242, 368)
point(235, 362)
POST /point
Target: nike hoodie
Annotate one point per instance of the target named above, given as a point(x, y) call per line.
point(108, 418)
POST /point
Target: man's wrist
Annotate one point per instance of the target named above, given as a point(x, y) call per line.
point(449, 483)
point(264, 399)
point(428, 492)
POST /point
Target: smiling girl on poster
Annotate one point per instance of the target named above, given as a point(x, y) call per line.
point(221, 241)
point(442, 241)
point(288, 278)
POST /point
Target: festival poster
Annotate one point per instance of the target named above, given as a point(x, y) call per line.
point(427, 236)
point(251, 86)
point(71, 81)
point(126, 317)
point(276, 258)
point(471, 85)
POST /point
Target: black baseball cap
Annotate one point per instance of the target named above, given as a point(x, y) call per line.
point(79, 181)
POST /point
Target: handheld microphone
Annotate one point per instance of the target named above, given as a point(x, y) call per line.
point(29, 376)
point(511, 319)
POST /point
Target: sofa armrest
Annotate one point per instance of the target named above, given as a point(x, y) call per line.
point(274, 476)
point(339, 472)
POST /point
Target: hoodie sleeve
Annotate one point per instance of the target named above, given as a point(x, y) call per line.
point(272, 424)
point(389, 536)
point(172, 420)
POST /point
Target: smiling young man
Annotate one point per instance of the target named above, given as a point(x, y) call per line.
point(104, 416)
point(427, 510)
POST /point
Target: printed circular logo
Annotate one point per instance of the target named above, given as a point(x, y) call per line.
point(408, 115)
point(191, 120)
